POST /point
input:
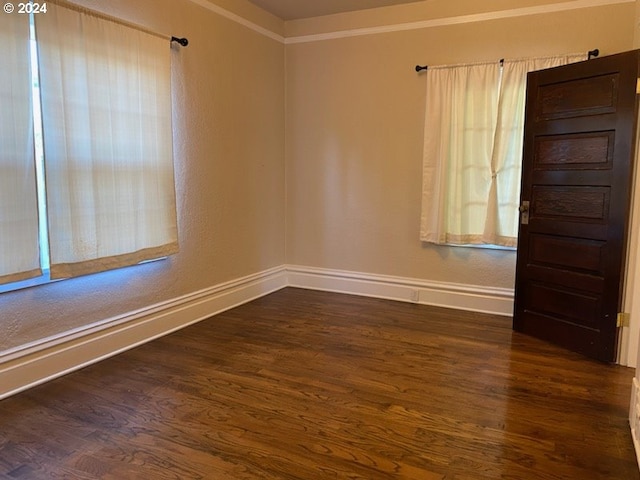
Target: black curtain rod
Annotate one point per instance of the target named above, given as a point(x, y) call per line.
point(94, 13)
point(182, 41)
point(590, 54)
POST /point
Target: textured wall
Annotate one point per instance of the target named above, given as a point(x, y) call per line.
point(350, 178)
point(229, 160)
point(355, 117)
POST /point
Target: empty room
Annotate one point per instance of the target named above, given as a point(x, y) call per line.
point(301, 239)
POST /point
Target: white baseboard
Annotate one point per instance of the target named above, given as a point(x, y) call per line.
point(30, 365)
point(634, 417)
point(451, 295)
point(38, 362)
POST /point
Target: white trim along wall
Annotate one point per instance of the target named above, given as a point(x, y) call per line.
point(35, 363)
point(32, 364)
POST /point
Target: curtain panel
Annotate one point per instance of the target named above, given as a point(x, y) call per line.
point(472, 164)
point(106, 103)
point(460, 122)
point(19, 247)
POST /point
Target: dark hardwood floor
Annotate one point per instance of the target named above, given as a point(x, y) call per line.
point(312, 385)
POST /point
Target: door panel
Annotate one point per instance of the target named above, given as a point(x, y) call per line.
point(576, 254)
point(585, 151)
point(570, 305)
point(577, 165)
point(594, 95)
point(575, 204)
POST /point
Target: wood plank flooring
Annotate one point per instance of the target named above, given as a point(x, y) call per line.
point(314, 385)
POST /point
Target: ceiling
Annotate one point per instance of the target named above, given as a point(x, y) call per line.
point(295, 9)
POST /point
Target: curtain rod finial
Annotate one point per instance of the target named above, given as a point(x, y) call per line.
point(182, 41)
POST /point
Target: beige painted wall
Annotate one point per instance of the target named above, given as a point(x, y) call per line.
point(341, 189)
point(229, 160)
point(354, 123)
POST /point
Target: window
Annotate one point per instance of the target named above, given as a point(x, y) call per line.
point(474, 126)
point(107, 155)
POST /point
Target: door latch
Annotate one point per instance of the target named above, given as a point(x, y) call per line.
point(524, 213)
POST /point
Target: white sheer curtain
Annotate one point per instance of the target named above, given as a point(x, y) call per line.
point(461, 114)
point(501, 224)
point(19, 249)
point(106, 105)
point(474, 126)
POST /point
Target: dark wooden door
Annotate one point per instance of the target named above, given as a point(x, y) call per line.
point(579, 145)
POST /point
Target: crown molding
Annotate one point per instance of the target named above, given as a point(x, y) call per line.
point(223, 12)
point(438, 22)
point(441, 22)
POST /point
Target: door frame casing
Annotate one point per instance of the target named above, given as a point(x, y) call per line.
point(629, 343)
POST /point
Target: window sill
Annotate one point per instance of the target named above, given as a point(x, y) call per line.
point(486, 246)
point(31, 282)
